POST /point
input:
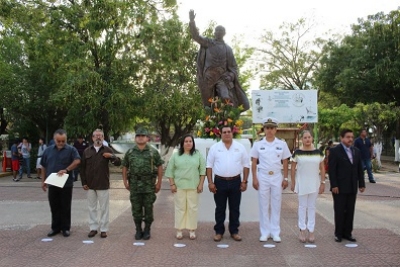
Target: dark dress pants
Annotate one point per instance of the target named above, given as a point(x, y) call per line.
point(227, 192)
point(60, 205)
point(343, 205)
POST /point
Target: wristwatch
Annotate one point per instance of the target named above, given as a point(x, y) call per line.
point(322, 182)
point(286, 179)
point(244, 181)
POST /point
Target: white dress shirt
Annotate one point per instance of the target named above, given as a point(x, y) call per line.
point(270, 154)
point(228, 162)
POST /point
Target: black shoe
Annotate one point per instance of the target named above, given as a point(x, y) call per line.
point(66, 233)
point(338, 239)
point(146, 235)
point(53, 233)
point(138, 235)
point(372, 181)
point(350, 238)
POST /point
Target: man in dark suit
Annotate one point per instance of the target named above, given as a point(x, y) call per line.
point(346, 175)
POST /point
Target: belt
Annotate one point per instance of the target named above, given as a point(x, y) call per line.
point(228, 178)
point(269, 172)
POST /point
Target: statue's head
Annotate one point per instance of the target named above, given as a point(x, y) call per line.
point(219, 32)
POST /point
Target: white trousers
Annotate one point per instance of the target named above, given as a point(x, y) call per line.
point(100, 197)
point(307, 211)
point(186, 209)
point(270, 199)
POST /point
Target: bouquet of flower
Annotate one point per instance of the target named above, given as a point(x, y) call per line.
point(220, 113)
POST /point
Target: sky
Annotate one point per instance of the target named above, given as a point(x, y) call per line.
point(250, 17)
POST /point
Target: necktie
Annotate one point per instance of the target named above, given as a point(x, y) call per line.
point(349, 154)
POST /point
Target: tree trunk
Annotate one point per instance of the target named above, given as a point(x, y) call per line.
point(378, 147)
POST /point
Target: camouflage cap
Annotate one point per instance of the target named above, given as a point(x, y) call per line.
point(141, 131)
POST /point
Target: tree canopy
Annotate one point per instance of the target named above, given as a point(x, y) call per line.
point(364, 66)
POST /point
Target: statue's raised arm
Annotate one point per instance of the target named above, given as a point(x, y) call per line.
point(203, 41)
point(217, 73)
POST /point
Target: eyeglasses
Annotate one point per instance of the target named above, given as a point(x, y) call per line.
point(227, 132)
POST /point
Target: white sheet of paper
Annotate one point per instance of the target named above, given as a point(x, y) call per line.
point(56, 180)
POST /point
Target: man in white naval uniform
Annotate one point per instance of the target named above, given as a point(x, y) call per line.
point(270, 153)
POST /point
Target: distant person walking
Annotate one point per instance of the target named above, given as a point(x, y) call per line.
point(307, 180)
point(41, 148)
point(367, 153)
point(80, 145)
point(15, 155)
point(186, 172)
point(26, 148)
point(346, 175)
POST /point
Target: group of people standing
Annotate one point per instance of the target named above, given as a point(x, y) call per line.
point(227, 172)
point(228, 163)
point(21, 158)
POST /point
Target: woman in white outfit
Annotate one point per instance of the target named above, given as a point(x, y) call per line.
point(308, 179)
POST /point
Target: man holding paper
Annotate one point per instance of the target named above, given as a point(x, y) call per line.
point(59, 160)
point(95, 176)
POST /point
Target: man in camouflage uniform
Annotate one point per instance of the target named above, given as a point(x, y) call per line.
point(142, 164)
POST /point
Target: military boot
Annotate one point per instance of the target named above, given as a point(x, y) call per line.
point(146, 233)
point(139, 231)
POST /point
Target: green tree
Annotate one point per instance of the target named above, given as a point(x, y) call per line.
point(330, 121)
point(364, 66)
point(77, 60)
point(288, 61)
point(108, 41)
point(172, 99)
point(28, 72)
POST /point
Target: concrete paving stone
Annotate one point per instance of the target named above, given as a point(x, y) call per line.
point(353, 259)
point(391, 259)
point(375, 229)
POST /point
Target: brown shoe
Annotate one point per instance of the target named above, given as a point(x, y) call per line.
point(217, 237)
point(236, 237)
point(103, 235)
point(92, 233)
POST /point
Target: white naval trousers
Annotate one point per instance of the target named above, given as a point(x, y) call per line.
point(102, 197)
point(270, 199)
point(307, 211)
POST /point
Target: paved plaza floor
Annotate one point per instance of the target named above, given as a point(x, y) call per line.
point(25, 221)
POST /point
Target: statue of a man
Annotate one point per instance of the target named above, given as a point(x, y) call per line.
point(217, 73)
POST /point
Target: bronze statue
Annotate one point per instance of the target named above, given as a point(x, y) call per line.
point(217, 73)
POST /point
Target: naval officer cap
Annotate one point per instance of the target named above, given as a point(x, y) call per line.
point(271, 122)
